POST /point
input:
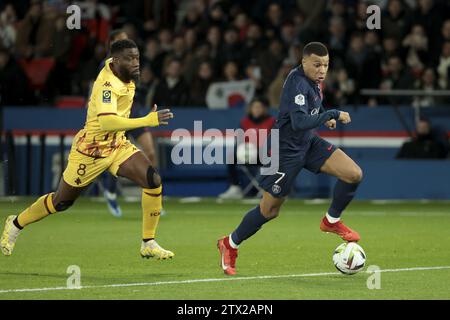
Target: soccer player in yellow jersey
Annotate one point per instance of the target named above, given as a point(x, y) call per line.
point(101, 145)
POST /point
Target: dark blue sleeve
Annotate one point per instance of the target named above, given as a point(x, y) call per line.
point(307, 122)
point(296, 96)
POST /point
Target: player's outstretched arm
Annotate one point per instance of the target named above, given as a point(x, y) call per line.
point(111, 122)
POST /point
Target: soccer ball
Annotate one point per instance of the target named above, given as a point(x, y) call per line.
point(349, 258)
point(247, 153)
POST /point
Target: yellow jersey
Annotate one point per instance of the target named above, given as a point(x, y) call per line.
point(109, 96)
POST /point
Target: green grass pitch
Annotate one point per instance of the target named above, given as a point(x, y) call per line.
point(291, 251)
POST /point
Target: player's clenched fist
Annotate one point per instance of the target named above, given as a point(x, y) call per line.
point(157, 118)
point(344, 117)
point(331, 124)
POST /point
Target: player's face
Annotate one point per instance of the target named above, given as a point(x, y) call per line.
point(316, 67)
point(129, 64)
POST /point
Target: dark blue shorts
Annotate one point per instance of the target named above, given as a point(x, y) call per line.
point(138, 112)
point(280, 184)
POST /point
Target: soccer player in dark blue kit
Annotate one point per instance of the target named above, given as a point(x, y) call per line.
point(301, 112)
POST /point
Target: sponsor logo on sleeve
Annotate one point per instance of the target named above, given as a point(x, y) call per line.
point(300, 100)
point(106, 96)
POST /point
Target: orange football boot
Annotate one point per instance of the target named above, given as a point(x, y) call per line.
point(228, 256)
point(340, 229)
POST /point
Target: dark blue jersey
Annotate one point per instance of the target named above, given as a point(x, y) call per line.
point(301, 111)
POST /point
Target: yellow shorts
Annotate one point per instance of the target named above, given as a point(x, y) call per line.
point(82, 170)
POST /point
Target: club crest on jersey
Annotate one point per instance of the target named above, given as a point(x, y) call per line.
point(314, 111)
point(276, 189)
point(106, 96)
point(300, 100)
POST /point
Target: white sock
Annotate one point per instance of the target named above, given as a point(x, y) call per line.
point(232, 244)
point(331, 219)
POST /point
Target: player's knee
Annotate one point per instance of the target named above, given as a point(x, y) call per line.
point(355, 175)
point(153, 178)
point(63, 205)
point(270, 212)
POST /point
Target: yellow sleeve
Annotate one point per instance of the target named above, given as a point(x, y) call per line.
point(111, 122)
point(106, 101)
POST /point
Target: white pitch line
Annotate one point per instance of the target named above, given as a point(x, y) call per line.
point(140, 284)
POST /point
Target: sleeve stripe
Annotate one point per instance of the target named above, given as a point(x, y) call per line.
point(106, 114)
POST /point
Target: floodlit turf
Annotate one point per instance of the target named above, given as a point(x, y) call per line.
point(394, 236)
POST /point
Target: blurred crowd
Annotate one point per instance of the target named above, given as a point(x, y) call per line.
point(186, 45)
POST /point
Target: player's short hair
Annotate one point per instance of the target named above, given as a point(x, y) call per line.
point(120, 45)
point(317, 48)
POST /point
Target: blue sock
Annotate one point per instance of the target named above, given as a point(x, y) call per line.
point(110, 183)
point(343, 194)
point(251, 223)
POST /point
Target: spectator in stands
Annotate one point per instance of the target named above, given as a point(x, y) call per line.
point(153, 56)
point(201, 54)
point(192, 18)
point(178, 51)
point(443, 68)
point(172, 90)
point(313, 23)
point(288, 33)
point(271, 60)
point(344, 88)
point(59, 81)
point(355, 61)
point(7, 28)
point(370, 76)
point(90, 69)
point(360, 19)
point(231, 71)
point(231, 48)
point(146, 88)
point(215, 16)
point(436, 45)
point(190, 40)
point(253, 42)
point(416, 45)
point(214, 39)
point(132, 32)
point(165, 40)
point(425, 144)
point(242, 24)
point(257, 118)
point(253, 72)
point(35, 33)
point(397, 77)
point(273, 21)
point(13, 82)
point(391, 48)
point(200, 84)
point(430, 14)
point(268, 31)
point(337, 40)
point(276, 86)
point(336, 8)
point(427, 82)
point(396, 20)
